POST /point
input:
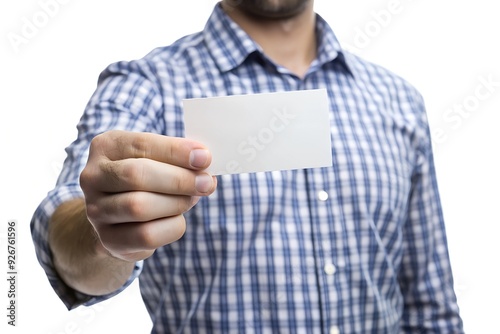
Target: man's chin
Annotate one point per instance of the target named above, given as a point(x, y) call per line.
point(265, 10)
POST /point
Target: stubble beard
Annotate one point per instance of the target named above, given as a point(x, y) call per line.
point(269, 9)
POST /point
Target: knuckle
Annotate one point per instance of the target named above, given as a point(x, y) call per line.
point(99, 141)
point(107, 142)
point(150, 239)
point(133, 174)
point(86, 178)
point(93, 212)
point(134, 206)
point(140, 145)
point(111, 170)
point(147, 238)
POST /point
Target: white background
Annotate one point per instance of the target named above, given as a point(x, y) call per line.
point(447, 49)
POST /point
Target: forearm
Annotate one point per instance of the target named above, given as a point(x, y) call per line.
point(79, 258)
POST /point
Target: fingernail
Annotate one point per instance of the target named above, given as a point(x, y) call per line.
point(203, 183)
point(198, 158)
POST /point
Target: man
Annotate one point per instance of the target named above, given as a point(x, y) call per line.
point(354, 248)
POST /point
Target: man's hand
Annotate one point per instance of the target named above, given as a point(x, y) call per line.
point(138, 185)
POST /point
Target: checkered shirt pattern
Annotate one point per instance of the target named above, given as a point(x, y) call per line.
point(358, 247)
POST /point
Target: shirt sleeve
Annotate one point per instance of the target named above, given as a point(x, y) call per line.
point(426, 281)
point(126, 99)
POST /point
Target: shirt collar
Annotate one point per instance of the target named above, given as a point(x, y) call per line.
point(329, 49)
point(229, 45)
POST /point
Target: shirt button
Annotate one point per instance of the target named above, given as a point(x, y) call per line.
point(322, 195)
point(330, 269)
point(334, 330)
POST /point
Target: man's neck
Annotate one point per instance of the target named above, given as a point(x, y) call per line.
point(290, 42)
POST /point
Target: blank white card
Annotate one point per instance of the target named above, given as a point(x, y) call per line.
point(262, 132)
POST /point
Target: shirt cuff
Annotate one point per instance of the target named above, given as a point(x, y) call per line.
point(86, 300)
point(39, 231)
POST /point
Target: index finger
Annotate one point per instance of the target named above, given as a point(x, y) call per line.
point(182, 152)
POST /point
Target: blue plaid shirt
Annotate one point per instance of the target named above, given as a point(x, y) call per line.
point(359, 247)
